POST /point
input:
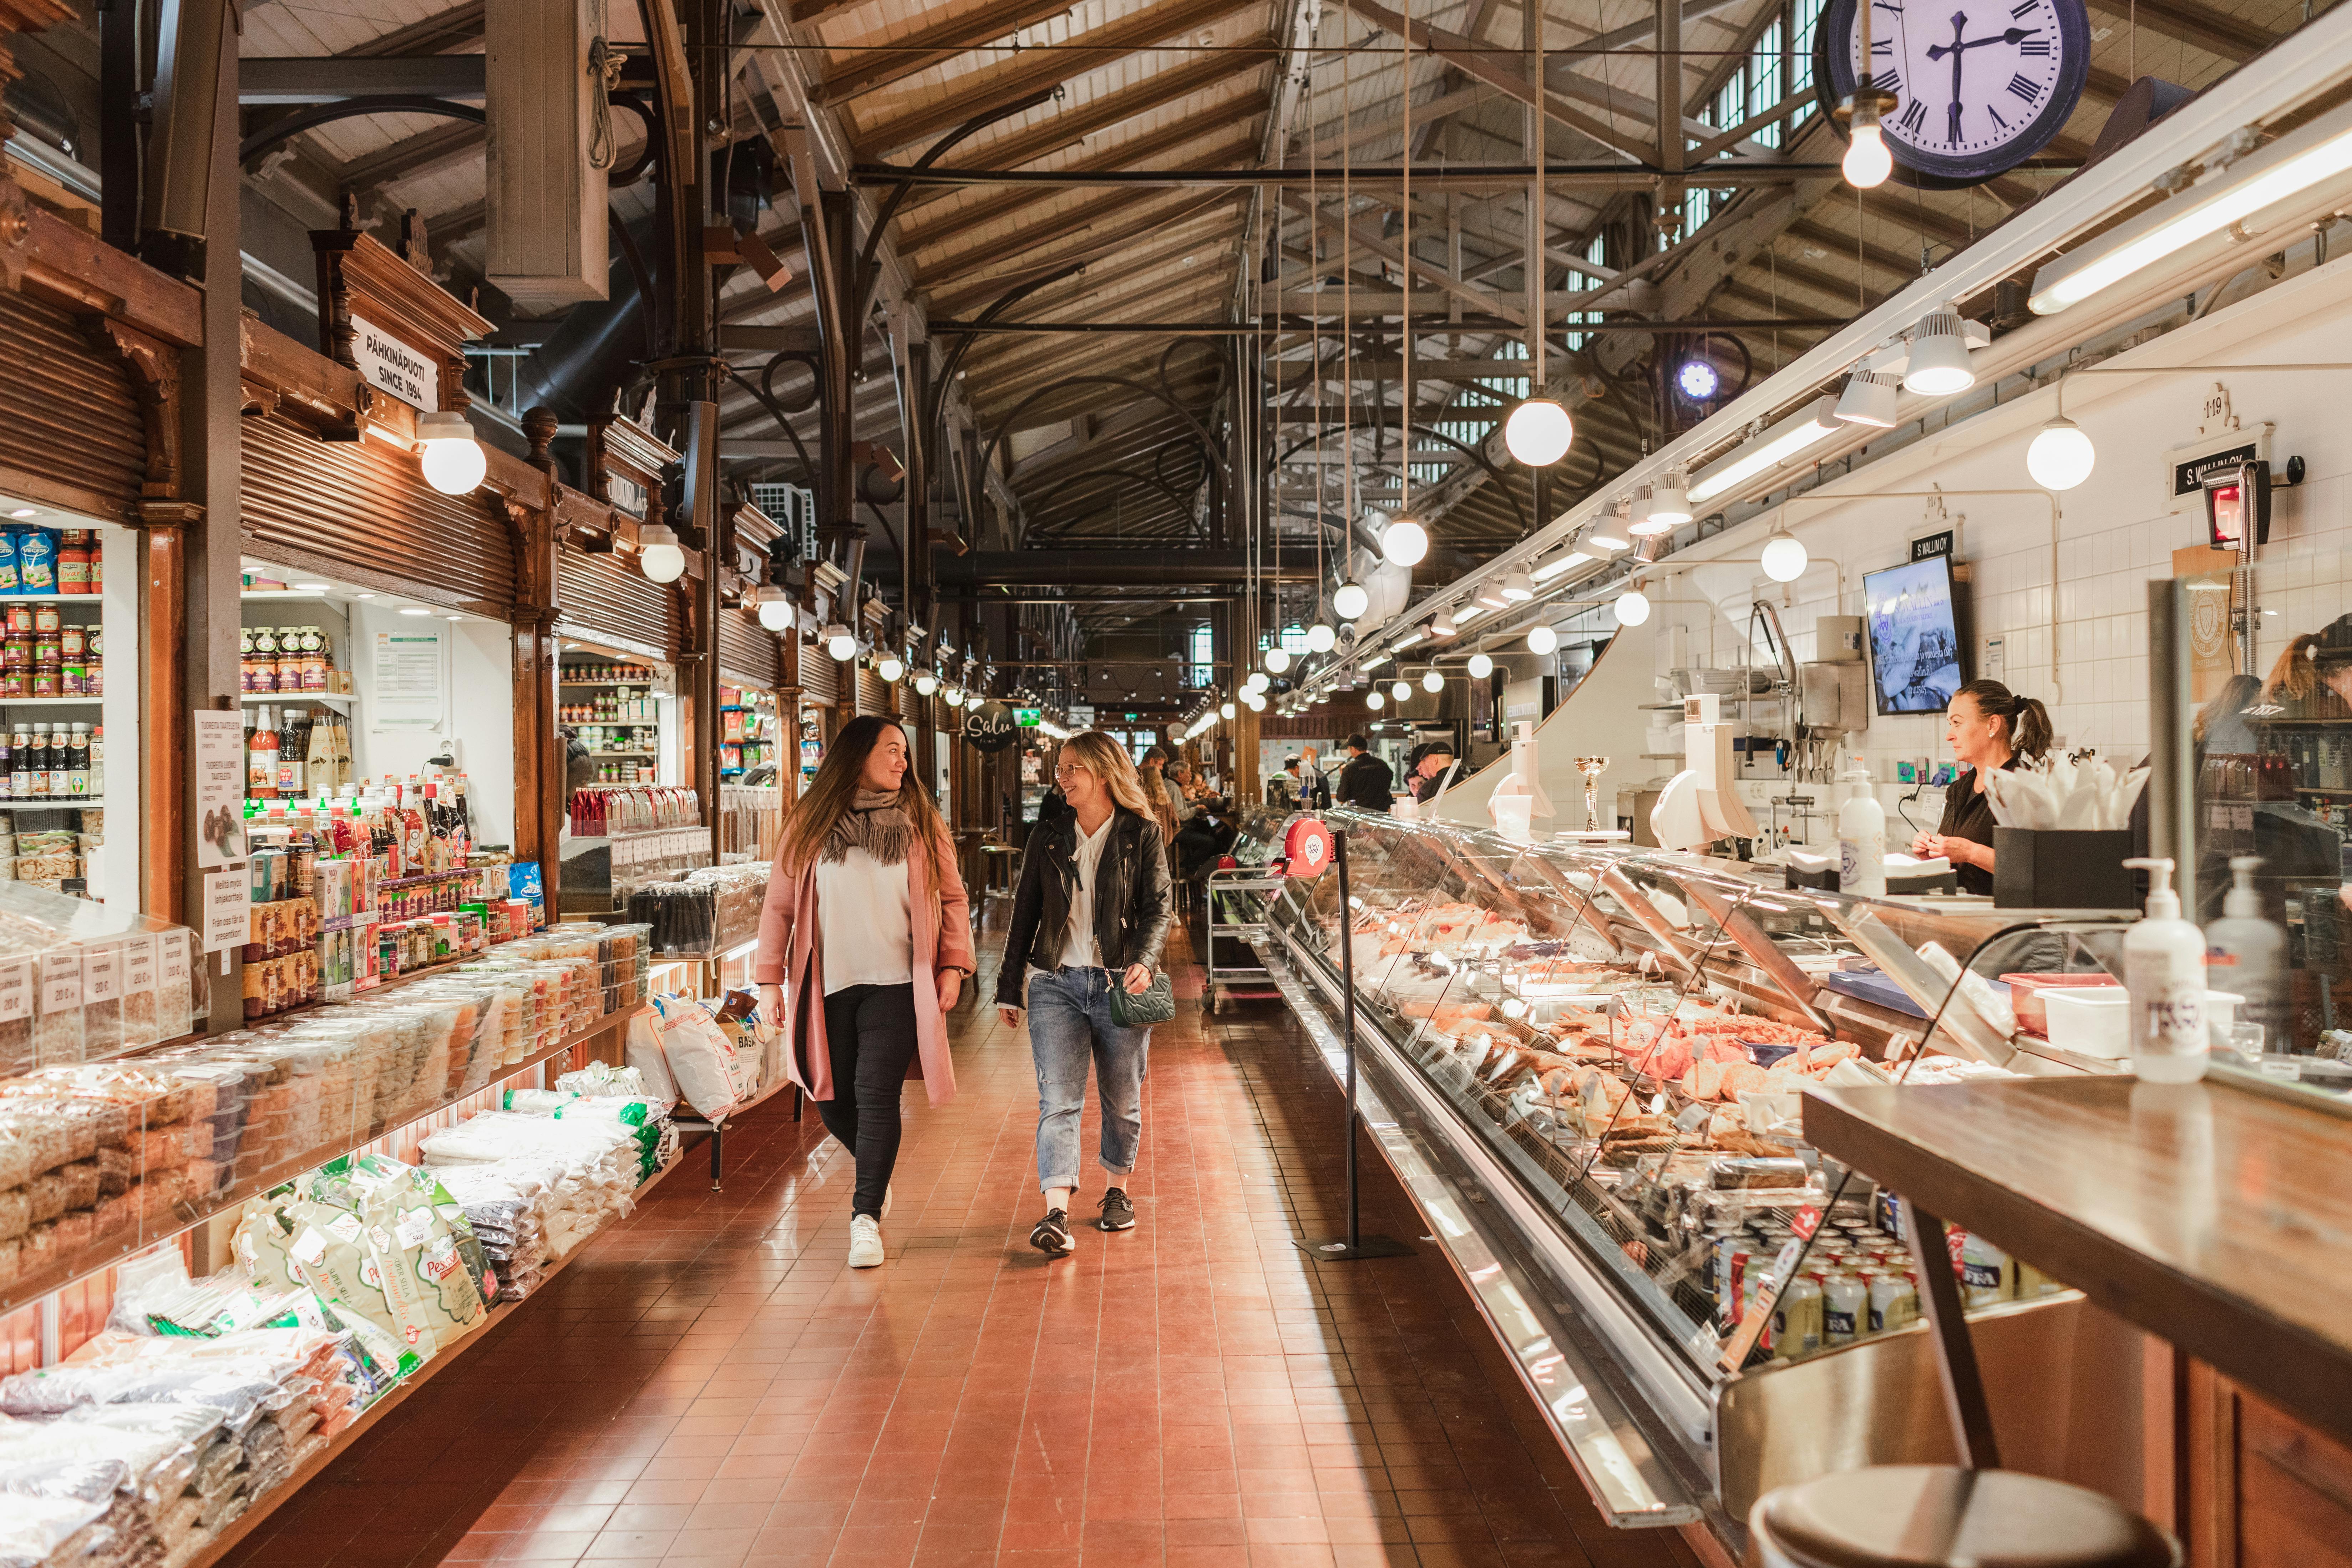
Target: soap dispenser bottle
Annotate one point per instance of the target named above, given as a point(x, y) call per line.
point(2245, 953)
point(1861, 836)
point(2164, 971)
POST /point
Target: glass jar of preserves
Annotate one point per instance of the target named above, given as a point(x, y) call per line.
point(73, 643)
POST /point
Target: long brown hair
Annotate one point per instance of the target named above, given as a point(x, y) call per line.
point(835, 789)
point(1108, 761)
point(2028, 731)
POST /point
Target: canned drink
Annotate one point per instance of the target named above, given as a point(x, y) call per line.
point(1893, 1302)
point(1845, 1308)
point(1797, 1319)
point(1985, 1272)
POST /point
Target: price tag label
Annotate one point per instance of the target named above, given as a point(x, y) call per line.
point(102, 974)
point(172, 968)
point(138, 965)
point(61, 980)
point(16, 990)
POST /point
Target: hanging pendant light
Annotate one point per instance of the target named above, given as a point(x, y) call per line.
point(1350, 601)
point(1406, 542)
point(1481, 666)
point(1277, 659)
point(1542, 639)
point(1539, 433)
point(1401, 691)
point(1433, 682)
point(1785, 557)
point(1320, 638)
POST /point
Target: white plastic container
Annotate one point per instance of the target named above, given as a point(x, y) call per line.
point(1861, 836)
point(2164, 970)
point(2090, 1020)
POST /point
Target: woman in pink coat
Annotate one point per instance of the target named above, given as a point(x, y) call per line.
point(864, 944)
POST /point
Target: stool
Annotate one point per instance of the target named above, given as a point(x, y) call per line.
point(1941, 1516)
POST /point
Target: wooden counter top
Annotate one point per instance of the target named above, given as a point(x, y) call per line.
point(2215, 1218)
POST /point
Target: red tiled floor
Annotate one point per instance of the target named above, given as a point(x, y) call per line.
point(708, 1386)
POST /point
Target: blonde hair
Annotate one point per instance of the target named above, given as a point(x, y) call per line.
point(835, 789)
point(1108, 761)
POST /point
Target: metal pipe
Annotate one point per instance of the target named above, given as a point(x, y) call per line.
point(2172, 752)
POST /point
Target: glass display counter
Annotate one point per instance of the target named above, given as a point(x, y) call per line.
point(1589, 1066)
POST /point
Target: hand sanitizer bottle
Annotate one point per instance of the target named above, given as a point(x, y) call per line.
point(2245, 953)
point(2164, 970)
point(1861, 836)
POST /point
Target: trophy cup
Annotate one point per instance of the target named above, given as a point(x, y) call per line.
point(1591, 768)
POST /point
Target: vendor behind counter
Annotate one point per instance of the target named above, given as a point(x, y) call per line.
point(1988, 726)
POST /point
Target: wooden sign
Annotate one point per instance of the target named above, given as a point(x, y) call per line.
point(405, 333)
point(624, 466)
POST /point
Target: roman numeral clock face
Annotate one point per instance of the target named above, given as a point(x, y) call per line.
point(1983, 84)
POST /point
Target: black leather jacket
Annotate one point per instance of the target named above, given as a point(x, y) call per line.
point(1132, 907)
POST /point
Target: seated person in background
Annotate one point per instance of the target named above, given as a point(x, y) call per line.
point(1200, 841)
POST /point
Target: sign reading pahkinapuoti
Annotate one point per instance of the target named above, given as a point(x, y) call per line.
point(392, 366)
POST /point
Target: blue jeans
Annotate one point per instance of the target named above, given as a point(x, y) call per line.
point(1069, 1026)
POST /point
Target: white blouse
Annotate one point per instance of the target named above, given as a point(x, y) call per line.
point(864, 931)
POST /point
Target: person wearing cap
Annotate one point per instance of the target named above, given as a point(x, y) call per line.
point(1365, 782)
point(1428, 767)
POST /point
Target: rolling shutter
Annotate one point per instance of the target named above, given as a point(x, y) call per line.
point(360, 511)
point(749, 651)
point(69, 423)
point(820, 676)
point(603, 595)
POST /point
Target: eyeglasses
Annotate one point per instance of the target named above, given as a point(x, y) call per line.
point(1067, 770)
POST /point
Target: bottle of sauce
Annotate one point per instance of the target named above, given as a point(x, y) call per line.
point(78, 763)
point(98, 760)
point(73, 561)
point(20, 762)
point(261, 760)
point(61, 764)
point(37, 783)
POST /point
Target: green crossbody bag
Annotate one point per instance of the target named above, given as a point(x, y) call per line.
point(1155, 1004)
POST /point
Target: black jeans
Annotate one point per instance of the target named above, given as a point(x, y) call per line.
point(869, 1033)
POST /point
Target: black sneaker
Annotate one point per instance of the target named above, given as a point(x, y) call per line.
point(1118, 1211)
point(1052, 1235)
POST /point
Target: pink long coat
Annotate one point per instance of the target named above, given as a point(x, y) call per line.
point(790, 955)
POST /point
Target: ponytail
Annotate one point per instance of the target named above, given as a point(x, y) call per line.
point(2030, 731)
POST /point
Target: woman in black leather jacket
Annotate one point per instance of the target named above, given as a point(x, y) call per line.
point(1092, 912)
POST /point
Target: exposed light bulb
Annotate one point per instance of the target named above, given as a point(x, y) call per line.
point(1401, 691)
point(1433, 681)
point(1785, 558)
point(1350, 600)
point(1406, 542)
point(1867, 162)
point(1224, 710)
point(1539, 433)
point(1633, 607)
point(839, 643)
point(1276, 659)
point(1542, 639)
point(1375, 701)
point(1481, 666)
point(2062, 456)
point(890, 668)
point(776, 614)
point(1258, 681)
point(1321, 639)
point(926, 683)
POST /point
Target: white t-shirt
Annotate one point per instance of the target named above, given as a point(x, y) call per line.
point(1079, 949)
point(861, 912)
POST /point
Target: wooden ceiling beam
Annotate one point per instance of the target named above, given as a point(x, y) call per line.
point(913, 53)
point(994, 86)
point(1150, 210)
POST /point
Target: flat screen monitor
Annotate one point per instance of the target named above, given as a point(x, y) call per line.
point(1915, 636)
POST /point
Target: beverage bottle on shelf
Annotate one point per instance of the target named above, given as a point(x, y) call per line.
point(20, 762)
point(61, 764)
point(293, 756)
point(261, 760)
point(78, 763)
point(98, 760)
point(37, 783)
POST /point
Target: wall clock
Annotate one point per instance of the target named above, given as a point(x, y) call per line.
point(1983, 84)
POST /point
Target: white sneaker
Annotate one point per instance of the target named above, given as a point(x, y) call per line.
point(865, 1242)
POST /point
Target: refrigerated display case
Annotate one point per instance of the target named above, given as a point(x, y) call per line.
point(1587, 1065)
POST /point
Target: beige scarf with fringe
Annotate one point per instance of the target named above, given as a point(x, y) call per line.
point(876, 823)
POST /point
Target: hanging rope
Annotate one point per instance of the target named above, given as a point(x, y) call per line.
point(606, 65)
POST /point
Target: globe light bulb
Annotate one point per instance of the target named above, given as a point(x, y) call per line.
point(1375, 701)
point(926, 683)
point(659, 556)
point(1785, 558)
point(1539, 433)
point(889, 669)
point(1258, 681)
point(2061, 456)
point(1256, 704)
point(1633, 607)
point(776, 614)
point(1277, 660)
point(1867, 162)
point(1542, 639)
point(1406, 542)
point(1401, 690)
point(1224, 710)
point(839, 643)
point(1481, 666)
point(1321, 639)
point(1350, 600)
point(1433, 681)
point(454, 462)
